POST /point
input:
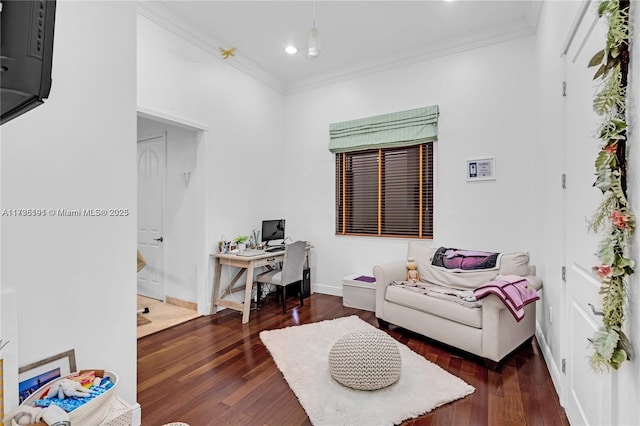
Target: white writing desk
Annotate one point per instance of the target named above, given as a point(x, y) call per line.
point(246, 264)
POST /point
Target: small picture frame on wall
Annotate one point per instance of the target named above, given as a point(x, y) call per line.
point(481, 169)
point(33, 376)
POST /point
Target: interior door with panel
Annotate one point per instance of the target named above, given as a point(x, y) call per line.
point(588, 394)
point(152, 165)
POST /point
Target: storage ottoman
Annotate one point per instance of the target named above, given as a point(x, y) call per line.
point(359, 291)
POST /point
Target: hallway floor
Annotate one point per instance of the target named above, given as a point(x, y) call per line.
point(162, 315)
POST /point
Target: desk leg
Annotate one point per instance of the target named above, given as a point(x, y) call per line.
point(216, 287)
point(247, 294)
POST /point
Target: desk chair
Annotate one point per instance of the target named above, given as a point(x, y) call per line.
point(291, 272)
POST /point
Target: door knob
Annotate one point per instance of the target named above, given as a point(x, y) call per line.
point(159, 239)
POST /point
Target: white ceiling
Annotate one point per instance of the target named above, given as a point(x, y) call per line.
point(358, 37)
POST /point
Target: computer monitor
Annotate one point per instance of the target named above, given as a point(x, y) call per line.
point(272, 230)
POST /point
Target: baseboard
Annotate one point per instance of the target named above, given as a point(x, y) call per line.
point(182, 303)
point(554, 372)
point(136, 419)
point(327, 289)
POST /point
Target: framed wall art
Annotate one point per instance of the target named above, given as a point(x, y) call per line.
point(481, 169)
point(33, 376)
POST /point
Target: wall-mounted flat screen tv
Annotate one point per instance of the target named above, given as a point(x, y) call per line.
point(26, 54)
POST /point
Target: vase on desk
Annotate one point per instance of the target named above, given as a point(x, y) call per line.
point(242, 246)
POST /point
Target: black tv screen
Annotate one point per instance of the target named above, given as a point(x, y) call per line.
point(26, 54)
point(272, 230)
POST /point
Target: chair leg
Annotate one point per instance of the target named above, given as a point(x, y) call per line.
point(284, 299)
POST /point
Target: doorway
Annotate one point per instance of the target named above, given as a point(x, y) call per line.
point(171, 213)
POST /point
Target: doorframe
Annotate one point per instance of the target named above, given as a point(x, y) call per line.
point(564, 311)
point(200, 179)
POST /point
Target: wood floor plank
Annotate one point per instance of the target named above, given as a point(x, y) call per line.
point(514, 413)
point(479, 408)
point(215, 371)
point(255, 383)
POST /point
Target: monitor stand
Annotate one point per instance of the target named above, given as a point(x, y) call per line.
point(271, 244)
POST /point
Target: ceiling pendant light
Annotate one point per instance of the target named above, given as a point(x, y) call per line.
point(314, 45)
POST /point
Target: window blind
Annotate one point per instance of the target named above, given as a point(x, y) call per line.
point(403, 128)
point(385, 192)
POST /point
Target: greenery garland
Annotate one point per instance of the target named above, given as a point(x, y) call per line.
point(611, 346)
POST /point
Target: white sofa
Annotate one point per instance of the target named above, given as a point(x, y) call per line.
point(490, 331)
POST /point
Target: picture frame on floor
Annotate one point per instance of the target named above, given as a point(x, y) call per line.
point(33, 376)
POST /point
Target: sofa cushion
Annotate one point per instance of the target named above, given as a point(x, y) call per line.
point(420, 252)
point(435, 306)
point(510, 264)
point(514, 264)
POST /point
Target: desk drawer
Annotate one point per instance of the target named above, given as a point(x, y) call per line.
point(269, 261)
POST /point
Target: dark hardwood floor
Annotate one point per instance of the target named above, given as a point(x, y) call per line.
point(215, 371)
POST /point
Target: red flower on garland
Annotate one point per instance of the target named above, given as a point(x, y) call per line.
point(611, 149)
point(620, 220)
point(603, 271)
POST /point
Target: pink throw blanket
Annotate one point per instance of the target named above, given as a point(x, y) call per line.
point(514, 291)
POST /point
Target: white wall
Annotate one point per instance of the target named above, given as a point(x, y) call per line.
point(74, 277)
point(239, 158)
point(180, 229)
point(486, 109)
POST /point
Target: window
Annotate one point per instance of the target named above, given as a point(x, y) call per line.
point(384, 173)
point(385, 192)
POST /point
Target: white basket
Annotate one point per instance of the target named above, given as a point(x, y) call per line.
point(90, 414)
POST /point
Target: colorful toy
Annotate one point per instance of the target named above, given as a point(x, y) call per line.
point(66, 388)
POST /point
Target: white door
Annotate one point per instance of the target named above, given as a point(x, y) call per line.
point(152, 165)
point(588, 394)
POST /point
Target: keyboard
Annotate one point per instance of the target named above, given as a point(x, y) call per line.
point(274, 249)
point(251, 252)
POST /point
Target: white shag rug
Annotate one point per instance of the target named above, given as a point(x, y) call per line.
point(302, 354)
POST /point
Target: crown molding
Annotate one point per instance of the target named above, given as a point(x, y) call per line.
point(164, 17)
point(532, 15)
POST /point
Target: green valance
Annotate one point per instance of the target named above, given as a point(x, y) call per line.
point(396, 129)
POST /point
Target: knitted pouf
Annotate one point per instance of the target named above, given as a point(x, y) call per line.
point(365, 360)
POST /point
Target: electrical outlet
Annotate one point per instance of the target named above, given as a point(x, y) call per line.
point(550, 315)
